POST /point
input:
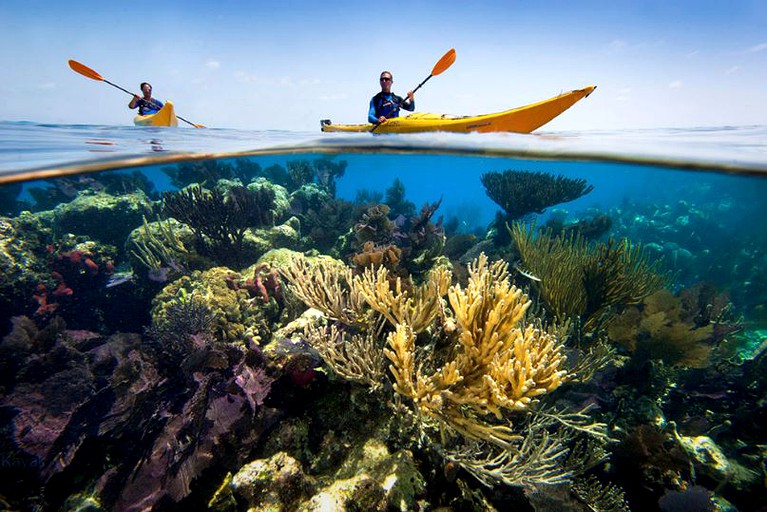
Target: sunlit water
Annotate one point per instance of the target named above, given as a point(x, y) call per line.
point(694, 198)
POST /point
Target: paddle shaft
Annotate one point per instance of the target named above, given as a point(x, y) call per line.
point(379, 123)
point(153, 102)
point(442, 64)
point(419, 85)
point(87, 72)
point(134, 94)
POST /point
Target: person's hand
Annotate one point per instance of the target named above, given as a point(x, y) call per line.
point(410, 96)
point(135, 97)
point(381, 119)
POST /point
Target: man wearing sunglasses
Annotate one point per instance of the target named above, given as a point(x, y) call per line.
point(386, 104)
point(147, 104)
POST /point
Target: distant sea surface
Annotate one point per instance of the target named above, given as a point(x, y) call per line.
point(620, 164)
point(26, 146)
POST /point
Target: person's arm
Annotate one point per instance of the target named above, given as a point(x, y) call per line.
point(409, 103)
point(372, 117)
point(134, 103)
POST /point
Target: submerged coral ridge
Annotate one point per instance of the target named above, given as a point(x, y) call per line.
point(498, 363)
point(266, 344)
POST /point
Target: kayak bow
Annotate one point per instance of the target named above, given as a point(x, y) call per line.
point(166, 116)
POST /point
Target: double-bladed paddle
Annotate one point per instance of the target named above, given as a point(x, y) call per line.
point(442, 64)
point(93, 75)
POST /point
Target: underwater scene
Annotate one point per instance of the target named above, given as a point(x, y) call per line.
point(367, 323)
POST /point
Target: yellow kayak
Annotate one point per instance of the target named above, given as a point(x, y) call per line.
point(519, 120)
point(166, 116)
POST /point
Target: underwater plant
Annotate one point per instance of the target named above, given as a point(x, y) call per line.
point(322, 172)
point(159, 249)
point(395, 200)
point(675, 330)
point(220, 220)
point(579, 280)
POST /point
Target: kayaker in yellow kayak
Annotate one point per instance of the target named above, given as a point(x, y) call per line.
point(386, 104)
point(146, 105)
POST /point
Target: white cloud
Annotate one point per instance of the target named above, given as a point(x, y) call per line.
point(693, 53)
point(47, 85)
point(213, 64)
point(757, 48)
point(676, 84)
point(732, 70)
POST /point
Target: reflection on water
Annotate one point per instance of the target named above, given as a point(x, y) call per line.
point(384, 330)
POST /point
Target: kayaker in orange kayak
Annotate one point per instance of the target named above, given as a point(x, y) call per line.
point(146, 105)
point(386, 104)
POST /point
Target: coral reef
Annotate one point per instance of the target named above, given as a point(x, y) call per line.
point(101, 216)
point(405, 245)
point(23, 260)
point(210, 171)
point(521, 193)
point(577, 280)
point(671, 329)
point(204, 348)
point(78, 402)
point(219, 221)
point(496, 363)
point(238, 312)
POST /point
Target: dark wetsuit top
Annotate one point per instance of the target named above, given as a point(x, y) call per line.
point(145, 107)
point(387, 105)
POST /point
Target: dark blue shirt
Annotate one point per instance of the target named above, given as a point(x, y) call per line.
point(145, 107)
point(387, 105)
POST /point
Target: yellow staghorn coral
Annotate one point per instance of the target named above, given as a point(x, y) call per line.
point(464, 374)
point(500, 364)
point(417, 306)
point(326, 284)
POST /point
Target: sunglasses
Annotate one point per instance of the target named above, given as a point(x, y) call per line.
point(385, 79)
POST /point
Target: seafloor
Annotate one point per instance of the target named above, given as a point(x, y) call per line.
point(251, 341)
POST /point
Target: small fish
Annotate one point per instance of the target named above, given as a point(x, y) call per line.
point(118, 279)
point(526, 274)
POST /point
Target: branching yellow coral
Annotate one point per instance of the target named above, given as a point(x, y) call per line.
point(491, 360)
point(500, 364)
point(326, 285)
point(416, 307)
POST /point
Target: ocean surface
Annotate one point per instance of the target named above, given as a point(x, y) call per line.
point(154, 296)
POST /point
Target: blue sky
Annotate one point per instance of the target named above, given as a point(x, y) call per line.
point(285, 65)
